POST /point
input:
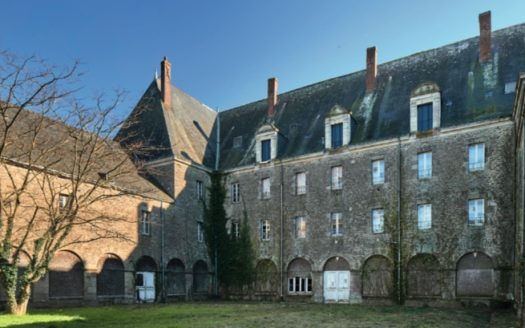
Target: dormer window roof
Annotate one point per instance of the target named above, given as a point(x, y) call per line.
point(425, 108)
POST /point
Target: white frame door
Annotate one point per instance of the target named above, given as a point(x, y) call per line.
point(336, 286)
point(146, 291)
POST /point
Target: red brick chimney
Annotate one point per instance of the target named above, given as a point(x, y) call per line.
point(485, 47)
point(272, 96)
point(371, 68)
point(165, 82)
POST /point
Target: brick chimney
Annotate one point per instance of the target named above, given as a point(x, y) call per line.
point(485, 47)
point(165, 82)
point(272, 96)
point(371, 68)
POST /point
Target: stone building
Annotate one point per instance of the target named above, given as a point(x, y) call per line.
point(398, 182)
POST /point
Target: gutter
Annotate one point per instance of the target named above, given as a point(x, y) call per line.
point(281, 238)
point(399, 298)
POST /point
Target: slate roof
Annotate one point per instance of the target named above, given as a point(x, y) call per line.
point(183, 130)
point(53, 148)
point(470, 92)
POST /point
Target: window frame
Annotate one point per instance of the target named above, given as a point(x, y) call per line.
point(266, 152)
point(63, 200)
point(336, 224)
point(426, 172)
point(299, 227)
point(336, 180)
point(300, 189)
point(428, 108)
point(266, 188)
point(300, 285)
point(479, 220)
point(423, 222)
point(235, 192)
point(199, 189)
point(236, 229)
point(200, 231)
point(378, 180)
point(145, 222)
point(478, 165)
point(381, 212)
point(336, 135)
point(264, 230)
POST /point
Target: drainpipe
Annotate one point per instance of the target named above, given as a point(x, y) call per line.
point(163, 279)
point(281, 238)
point(399, 220)
point(217, 157)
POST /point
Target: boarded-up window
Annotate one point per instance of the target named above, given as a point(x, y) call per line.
point(66, 276)
point(200, 277)
point(475, 275)
point(176, 277)
point(423, 276)
point(110, 279)
point(266, 277)
point(377, 277)
point(146, 264)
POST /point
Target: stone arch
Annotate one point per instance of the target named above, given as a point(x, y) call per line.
point(146, 263)
point(336, 263)
point(475, 275)
point(299, 275)
point(423, 276)
point(66, 276)
point(175, 277)
point(378, 277)
point(266, 277)
point(200, 277)
point(110, 277)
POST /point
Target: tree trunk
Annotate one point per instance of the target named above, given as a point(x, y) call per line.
point(18, 305)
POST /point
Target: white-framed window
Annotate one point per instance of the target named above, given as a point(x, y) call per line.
point(266, 150)
point(337, 177)
point(476, 212)
point(300, 183)
point(236, 231)
point(424, 216)
point(336, 224)
point(337, 128)
point(378, 220)
point(266, 140)
point(235, 192)
point(265, 188)
point(425, 108)
point(63, 199)
point(200, 232)
point(299, 227)
point(476, 157)
point(378, 171)
point(145, 222)
point(199, 189)
point(299, 285)
point(264, 230)
point(424, 165)
point(336, 135)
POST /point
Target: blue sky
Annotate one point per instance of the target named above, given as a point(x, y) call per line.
point(222, 52)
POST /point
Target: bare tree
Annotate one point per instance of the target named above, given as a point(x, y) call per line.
point(59, 170)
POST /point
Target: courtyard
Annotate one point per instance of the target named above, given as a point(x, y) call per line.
point(268, 315)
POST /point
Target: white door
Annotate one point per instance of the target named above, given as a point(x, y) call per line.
point(336, 286)
point(145, 286)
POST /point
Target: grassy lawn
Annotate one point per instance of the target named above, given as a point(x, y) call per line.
point(267, 315)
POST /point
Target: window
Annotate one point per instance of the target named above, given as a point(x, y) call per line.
point(300, 183)
point(266, 150)
point(199, 189)
point(237, 142)
point(300, 227)
point(235, 192)
point(378, 171)
point(337, 135)
point(200, 231)
point(102, 176)
point(424, 216)
point(299, 285)
point(476, 157)
point(424, 165)
point(265, 188)
point(336, 226)
point(378, 220)
point(264, 231)
point(145, 222)
point(63, 199)
point(337, 177)
point(424, 117)
point(235, 230)
point(476, 212)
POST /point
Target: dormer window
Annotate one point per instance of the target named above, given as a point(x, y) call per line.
point(425, 108)
point(266, 143)
point(337, 128)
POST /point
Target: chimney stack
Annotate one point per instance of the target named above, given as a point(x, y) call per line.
point(165, 82)
point(371, 68)
point(272, 96)
point(485, 46)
